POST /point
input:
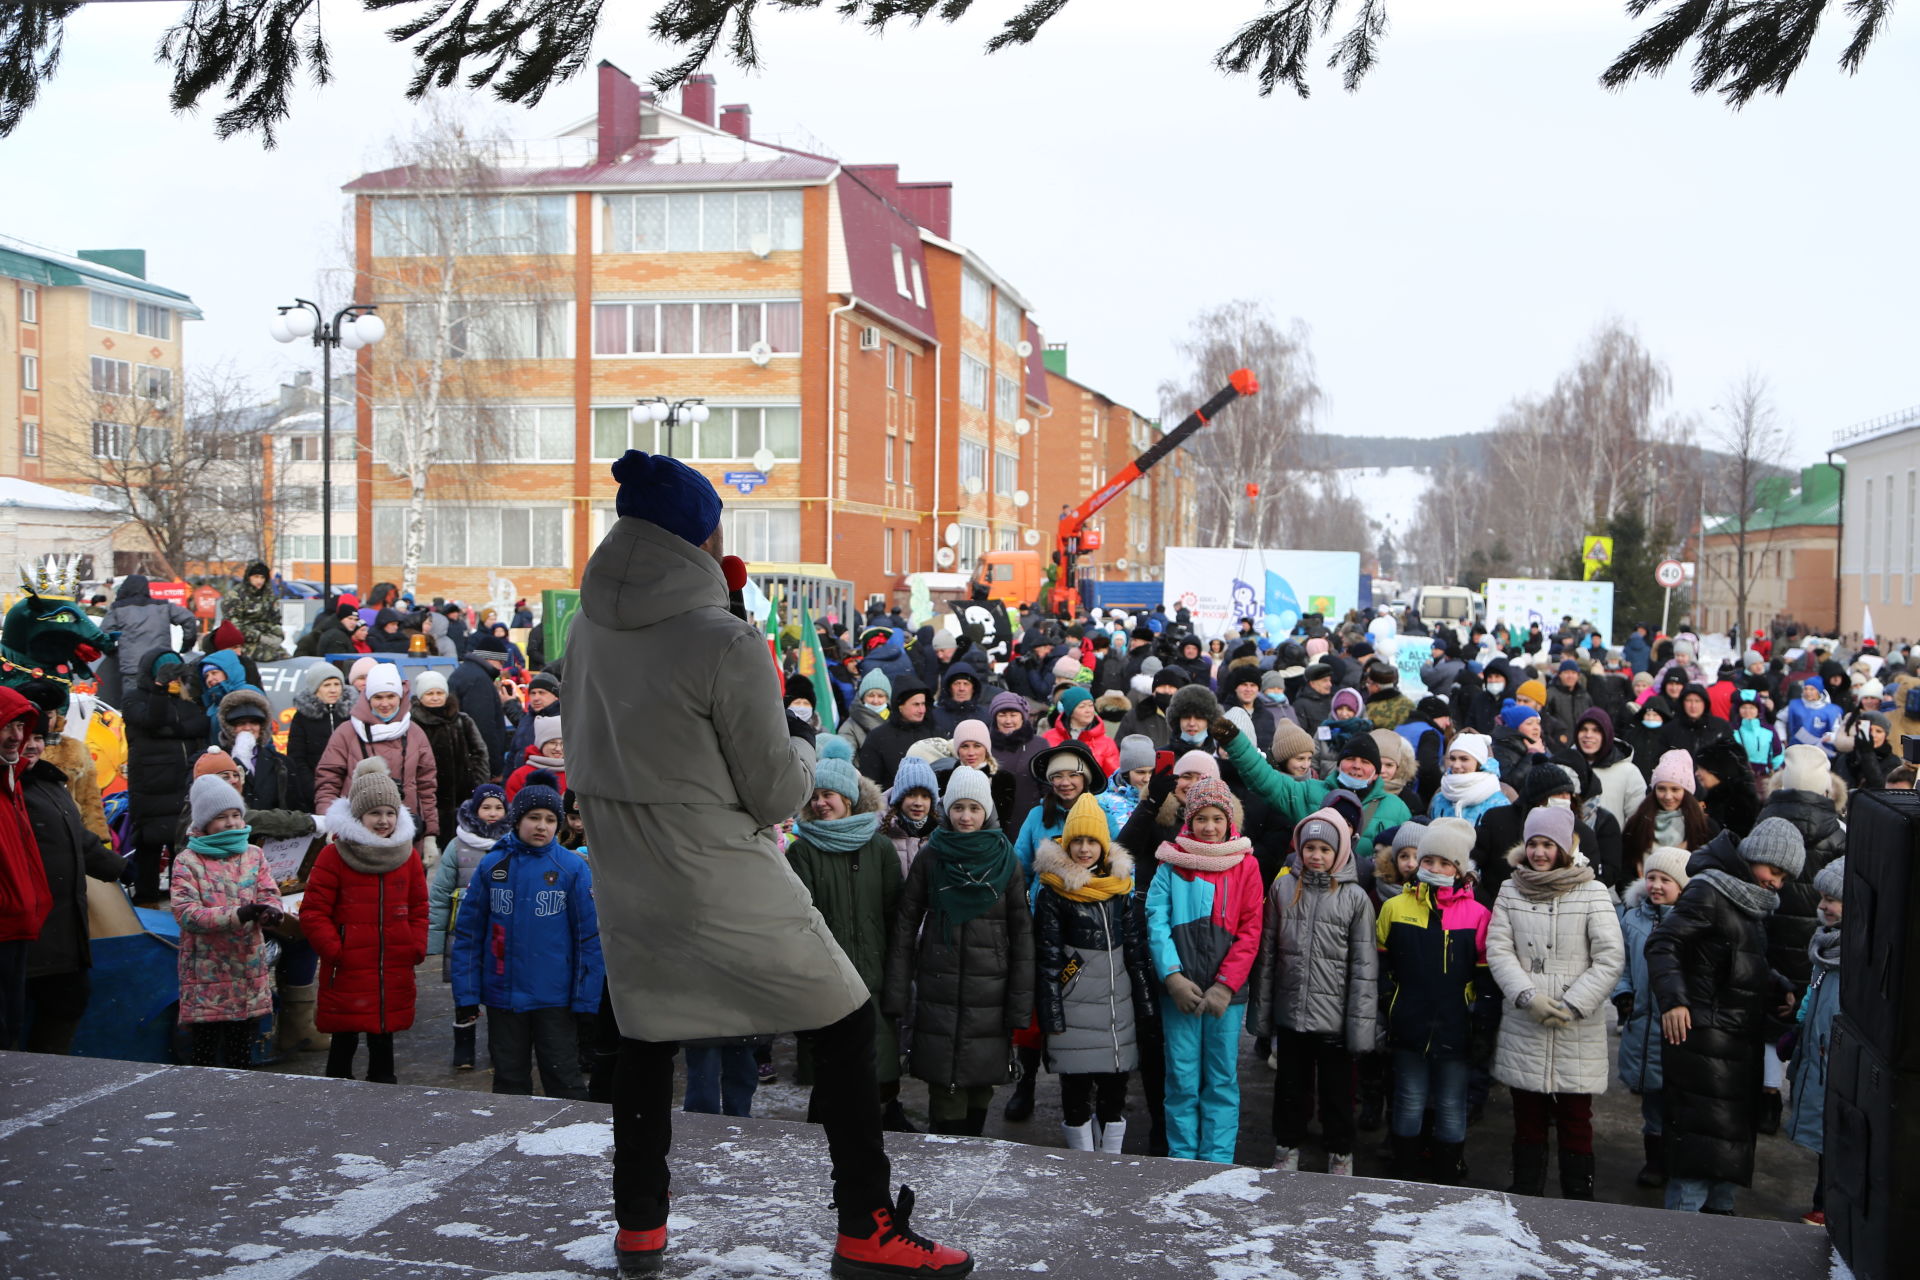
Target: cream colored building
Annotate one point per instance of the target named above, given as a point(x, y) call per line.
point(1880, 522)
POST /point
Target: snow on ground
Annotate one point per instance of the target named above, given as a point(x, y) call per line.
point(1391, 495)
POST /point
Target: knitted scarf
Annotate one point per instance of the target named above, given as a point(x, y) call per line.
point(1670, 828)
point(840, 835)
point(1750, 898)
point(1824, 947)
point(1197, 855)
point(222, 844)
point(1544, 886)
point(969, 873)
point(1096, 889)
point(1464, 790)
point(545, 762)
point(384, 731)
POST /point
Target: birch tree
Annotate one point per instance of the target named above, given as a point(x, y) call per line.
point(1749, 435)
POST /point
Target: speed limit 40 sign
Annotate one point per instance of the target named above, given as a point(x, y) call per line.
point(1669, 574)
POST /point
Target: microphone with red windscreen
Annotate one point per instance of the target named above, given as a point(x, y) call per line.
point(735, 570)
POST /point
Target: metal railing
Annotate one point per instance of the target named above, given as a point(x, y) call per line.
point(1895, 421)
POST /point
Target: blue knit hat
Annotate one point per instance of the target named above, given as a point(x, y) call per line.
point(832, 746)
point(538, 793)
point(838, 775)
point(1515, 714)
point(667, 492)
point(913, 772)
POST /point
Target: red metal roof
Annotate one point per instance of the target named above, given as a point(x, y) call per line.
point(638, 171)
point(873, 228)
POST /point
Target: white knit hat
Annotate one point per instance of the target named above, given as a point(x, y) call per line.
point(546, 729)
point(1452, 839)
point(1477, 745)
point(968, 783)
point(1669, 862)
point(384, 678)
point(427, 682)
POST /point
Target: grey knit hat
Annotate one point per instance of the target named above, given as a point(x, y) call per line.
point(1452, 839)
point(967, 783)
point(1775, 842)
point(1136, 752)
point(1831, 880)
point(212, 796)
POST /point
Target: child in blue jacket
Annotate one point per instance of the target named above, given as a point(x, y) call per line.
point(527, 945)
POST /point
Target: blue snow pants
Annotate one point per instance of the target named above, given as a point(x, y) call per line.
point(1203, 1083)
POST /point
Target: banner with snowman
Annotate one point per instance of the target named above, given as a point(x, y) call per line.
point(1274, 587)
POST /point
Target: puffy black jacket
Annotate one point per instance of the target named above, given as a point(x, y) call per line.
point(1791, 927)
point(886, 746)
point(164, 735)
point(313, 723)
point(71, 853)
point(472, 683)
point(969, 995)
point(1710, 955)
point(948, 713)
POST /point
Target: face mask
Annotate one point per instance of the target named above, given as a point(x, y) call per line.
point(1163, 700)
point(800, 709)
point(1435, 878)
point(1275, 697)
point(1649, 722)
point(1195, 738)
point(1560, 802)
point(1496, 687)
point(388, 717)
point(1352, 783)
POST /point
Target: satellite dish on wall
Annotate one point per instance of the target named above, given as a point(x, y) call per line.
point(760, 353)
point(1025, 349)
point(763, 460)
point(1021, 426)
point(1021, 497)
point(1031, 537)
point(943, 557)
point(1121, 564)
point(760, 245)
point(951, 535)
point(973, 485)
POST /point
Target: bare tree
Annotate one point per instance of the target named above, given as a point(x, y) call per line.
point(1754, 447)
point(165, 455)
point(473, 271)
point(1258, 441)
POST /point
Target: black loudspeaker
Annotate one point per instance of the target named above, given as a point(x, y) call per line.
point(1872, 1153)
point(1880, 945)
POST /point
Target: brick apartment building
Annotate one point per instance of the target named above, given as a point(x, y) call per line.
point(873, 383)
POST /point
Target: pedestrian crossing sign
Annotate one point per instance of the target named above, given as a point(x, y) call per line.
point(1596, 554)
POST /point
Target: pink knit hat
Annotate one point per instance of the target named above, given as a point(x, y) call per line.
point(971, 731)
point(1676, 767)
point(1316, 646)
point(1197, 762)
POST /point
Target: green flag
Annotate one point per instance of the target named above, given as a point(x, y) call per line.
point(813, 665)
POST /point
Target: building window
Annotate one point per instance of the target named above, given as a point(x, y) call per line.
point(1866, 541)
point(112, 378)
point(306, 546)
point(887, 452)
point(110, 312)
point(29, 306)
point(437, 226)
point(886, 548)
point(973, 465)
point(694, 328)
point(1906, 592)
point(1006, 397)
point(919, 284)
point(973, 382)
point(1005, 537)
point(893, 354)
point(472, 433)
point(1006, 473)
point(1006, 320)
point(482, 536)
point(975, 298)
point(906, 373)
point(906, 551)
point(112, 440)
point(29, 373)
point(153, 321)
point(153, 382)
point(1886, 577)
point(906, 462)
point(731, 433)
point(762, 535)
point(703, 221)
point(973, 541)
point(29, 439)
point(478, 329)
point(900, 284)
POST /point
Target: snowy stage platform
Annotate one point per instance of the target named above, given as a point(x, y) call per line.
point(112, 1169)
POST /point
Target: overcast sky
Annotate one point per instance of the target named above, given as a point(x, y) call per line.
point(1451, 233)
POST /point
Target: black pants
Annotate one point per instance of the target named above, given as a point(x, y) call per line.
point(1084, 1096)
point(843, 1095)
point(59, 1002)
point(379, 1055)
point(151, 836)
point(1304, 1062)
point(1153, 1082)
point(13, 991)
point(515, 1040)
point(215, 1041)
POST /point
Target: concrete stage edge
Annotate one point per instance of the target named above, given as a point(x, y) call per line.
point(111, 1169)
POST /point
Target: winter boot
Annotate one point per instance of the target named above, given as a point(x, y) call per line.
point(1530, 1169)
point(640, 1253)
point(1450, 1163)
point(976, 1122)
point(1286, 1159)
point(1408, 1162)
point(1339, 1165)
point(1770, 1108)
point(1576, 1175)
point(463, 1043)
point(1020, 1105)
point(1654, 1172)
point(894, 1119)
point(1079, 1137)
point(296, 1032)
point(1113, 1137)
point(891, 1249)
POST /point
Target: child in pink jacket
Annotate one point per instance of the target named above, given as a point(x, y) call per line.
point(223, 896)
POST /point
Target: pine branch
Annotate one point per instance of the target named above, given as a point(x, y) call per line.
point(1279, 42)
point(252, 50)
point(31, 32)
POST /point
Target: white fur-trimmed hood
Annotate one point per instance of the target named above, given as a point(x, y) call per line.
point(1051, 857)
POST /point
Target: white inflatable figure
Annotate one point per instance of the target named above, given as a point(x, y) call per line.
point(1384, 634)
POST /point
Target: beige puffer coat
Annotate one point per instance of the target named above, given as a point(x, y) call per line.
point(1568, 949)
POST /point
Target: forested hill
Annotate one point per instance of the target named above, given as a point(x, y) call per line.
point(1322, 450)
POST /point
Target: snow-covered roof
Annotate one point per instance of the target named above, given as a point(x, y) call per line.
point(37, 264)
point(15, 492)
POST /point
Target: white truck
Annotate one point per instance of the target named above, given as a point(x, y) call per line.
point(1458, 607)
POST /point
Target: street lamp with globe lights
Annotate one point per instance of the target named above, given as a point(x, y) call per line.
point(353, 326)
point(651, 409)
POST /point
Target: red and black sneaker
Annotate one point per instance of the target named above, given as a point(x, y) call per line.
point(640, 1253)
point(891, 1249)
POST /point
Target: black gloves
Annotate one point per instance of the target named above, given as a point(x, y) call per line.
point(798, 728)
point(1623, 1005)
point(1160, 788)
point(466, 1015)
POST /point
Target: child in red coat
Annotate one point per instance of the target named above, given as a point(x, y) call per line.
point(549, 756)
point(365, 914)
